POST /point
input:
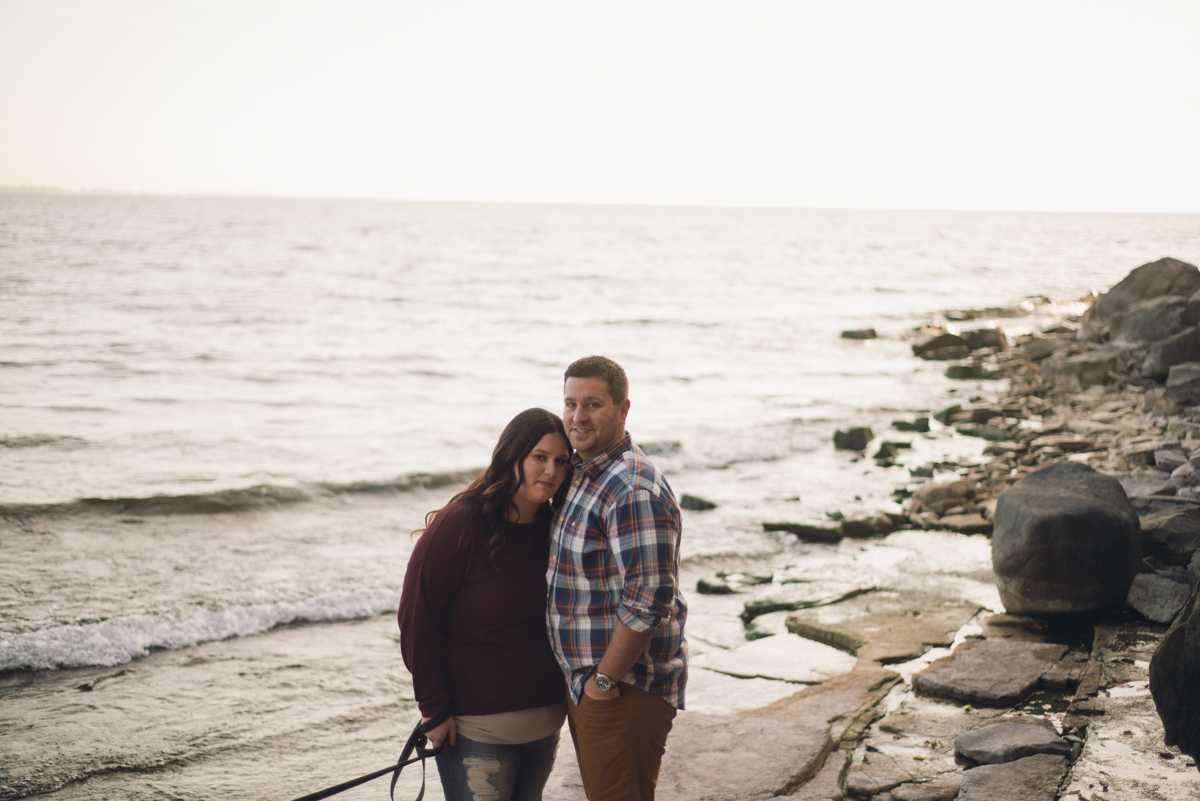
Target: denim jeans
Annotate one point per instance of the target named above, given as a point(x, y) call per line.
point(474, 771)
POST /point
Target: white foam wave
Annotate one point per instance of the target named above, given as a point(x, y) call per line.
point(120, 639)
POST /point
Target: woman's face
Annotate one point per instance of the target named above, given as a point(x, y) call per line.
point(545, 468)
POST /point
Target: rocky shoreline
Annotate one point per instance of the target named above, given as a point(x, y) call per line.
point(1037, 705)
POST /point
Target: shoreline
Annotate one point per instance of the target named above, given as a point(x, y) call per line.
point(869, 734)
point(813, 743)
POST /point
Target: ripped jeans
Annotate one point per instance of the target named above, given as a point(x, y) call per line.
point(474, 771)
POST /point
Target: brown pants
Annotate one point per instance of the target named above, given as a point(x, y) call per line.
point(620, 743)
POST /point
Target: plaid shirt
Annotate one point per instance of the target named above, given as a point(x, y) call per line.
point(614, 556)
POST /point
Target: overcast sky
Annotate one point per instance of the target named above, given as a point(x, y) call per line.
point(955, 105)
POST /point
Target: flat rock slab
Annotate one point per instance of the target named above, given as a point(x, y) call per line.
point(862, 785)
point(966, 524)
point(1034, 778)
point(946, 789)
point(1011, 740)
point(989, 672)
point(844, 703)
point(826, 785)
point(718, 757)
point(781, 656)
point(891, 633)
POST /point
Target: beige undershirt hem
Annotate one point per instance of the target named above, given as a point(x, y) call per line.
point(512, 728)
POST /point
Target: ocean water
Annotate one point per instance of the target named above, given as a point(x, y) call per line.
point(280, 389)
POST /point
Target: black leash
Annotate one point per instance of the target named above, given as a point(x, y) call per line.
point(416, 742)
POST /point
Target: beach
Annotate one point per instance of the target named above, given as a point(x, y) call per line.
point(224, 417)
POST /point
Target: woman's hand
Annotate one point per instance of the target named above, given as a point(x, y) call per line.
point(442, 733)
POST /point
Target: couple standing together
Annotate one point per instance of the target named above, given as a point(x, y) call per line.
point(581, 546)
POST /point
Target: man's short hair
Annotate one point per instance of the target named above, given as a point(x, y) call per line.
point(605, 369)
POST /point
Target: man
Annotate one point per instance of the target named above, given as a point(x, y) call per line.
point(615, 611)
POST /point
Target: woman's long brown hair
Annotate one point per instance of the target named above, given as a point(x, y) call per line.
point(488, 498)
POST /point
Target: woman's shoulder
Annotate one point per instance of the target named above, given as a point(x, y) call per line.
point(449, 522)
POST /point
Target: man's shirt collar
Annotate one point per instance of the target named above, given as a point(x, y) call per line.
point(599, 464)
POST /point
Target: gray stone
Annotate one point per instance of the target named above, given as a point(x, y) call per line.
point(887, 450)
point(1175, 680)
point(1077, 373)
point(932, 493)
point(873, 525)
point(1184, 372)
point(864, 782)
point(1010, 740)
point(1172, 536)
point(1149, 321)
point(945, 789)
point(1166, 353)
point(985, 338)
point(1157, 597)
point(989, 672)
point(714, 586)
point(1034, 778)
point(941, 342)
point(1193, 308)
point(853, 439)
point(972, 523)
point(1066, 540)
point(1141, 454)
point(920, 425)
point(860, 333)
point(695, 504)
point(1182, 394)
point(990, 433)
point(1193, 570)
point(1157, 402)
point(699, 763)
point(945, 415)
point(963, 372)
point(1163, 277)
point(1169, 460)
point(1038, 348)
point(806, 532)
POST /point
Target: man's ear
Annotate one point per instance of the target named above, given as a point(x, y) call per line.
point(624, 408)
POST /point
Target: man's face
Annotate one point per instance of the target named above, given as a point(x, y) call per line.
point(594, 422)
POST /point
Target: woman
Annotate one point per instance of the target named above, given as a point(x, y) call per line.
point(473, 619)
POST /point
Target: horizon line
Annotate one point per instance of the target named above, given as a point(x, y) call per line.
point(36, 189)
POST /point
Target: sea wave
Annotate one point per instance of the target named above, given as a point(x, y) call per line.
point(248, 499)
point(120, 639)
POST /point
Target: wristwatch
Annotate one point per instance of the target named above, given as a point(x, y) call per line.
point(603, 683)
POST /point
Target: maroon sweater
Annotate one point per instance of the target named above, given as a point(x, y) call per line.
point(473, 635)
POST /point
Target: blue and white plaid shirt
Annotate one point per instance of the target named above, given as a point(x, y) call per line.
point(614, 556)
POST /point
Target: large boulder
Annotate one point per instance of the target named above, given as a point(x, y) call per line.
point(1175, 349)
point(1163, 277)
point(1066, 540)
point(1149, 321)
point(1175, 680)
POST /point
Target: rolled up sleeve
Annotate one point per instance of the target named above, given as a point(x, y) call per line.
point(644, 548)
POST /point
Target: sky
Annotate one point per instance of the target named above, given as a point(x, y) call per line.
point(1047, 105)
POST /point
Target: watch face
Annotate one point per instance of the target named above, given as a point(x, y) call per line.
point(603, 682)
